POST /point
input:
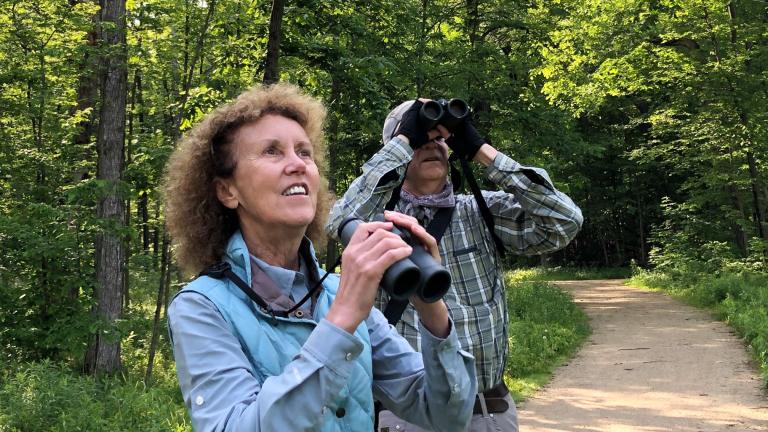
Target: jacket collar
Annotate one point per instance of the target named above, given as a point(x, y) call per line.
point(240, 259)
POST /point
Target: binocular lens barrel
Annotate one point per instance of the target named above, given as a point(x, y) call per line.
point(431, 110)
point(401, 278)
point(449, 113)
point(418, 274)
point(435, 279)
point(458, 108)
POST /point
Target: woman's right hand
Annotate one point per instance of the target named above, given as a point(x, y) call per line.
point(371, 250)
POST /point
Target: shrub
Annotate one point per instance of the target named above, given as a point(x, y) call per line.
point(545, 326)
point(46, 396)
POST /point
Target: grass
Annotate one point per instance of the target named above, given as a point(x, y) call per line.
point(545, 330)
point(568, 273)
point(45, 396)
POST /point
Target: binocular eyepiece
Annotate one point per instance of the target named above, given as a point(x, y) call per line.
point(449, 113)
point(418, 274)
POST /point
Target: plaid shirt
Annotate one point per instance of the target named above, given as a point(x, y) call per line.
point(530, 219)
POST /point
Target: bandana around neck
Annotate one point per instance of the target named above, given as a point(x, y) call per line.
point(424, 207)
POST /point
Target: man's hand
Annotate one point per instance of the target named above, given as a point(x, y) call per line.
point(412, 127)
point(465, 141)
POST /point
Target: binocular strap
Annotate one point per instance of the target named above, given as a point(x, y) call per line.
point(436, 228)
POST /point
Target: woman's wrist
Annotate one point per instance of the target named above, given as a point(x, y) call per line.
point(345, 320)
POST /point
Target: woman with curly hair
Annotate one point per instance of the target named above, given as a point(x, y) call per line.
point(265, 340)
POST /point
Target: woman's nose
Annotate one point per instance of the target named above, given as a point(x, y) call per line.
point(295, 164)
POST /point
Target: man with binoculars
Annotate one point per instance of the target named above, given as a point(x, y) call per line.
point(527, 216)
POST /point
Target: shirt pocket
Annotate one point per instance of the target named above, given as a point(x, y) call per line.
point(470, 274)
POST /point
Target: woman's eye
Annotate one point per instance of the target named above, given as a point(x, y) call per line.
point(271, 150)
point(305, 153)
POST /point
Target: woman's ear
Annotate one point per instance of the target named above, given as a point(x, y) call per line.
point(226, 193)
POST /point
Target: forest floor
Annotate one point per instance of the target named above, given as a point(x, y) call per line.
point(652, 363)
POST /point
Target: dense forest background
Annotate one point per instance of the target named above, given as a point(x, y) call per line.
point(652, 115)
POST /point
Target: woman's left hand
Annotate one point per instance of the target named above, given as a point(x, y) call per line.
point(411, 224)
point(434, 316)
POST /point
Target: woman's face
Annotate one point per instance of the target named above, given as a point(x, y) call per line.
point(275, 182)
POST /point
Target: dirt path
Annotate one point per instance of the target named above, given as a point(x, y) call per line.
point(651, 364)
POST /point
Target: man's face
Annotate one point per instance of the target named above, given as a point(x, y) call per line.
point(429, 163)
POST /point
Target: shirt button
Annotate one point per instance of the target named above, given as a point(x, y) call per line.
point(324, 410)
point(455, 388)
point(348, 356)
point(340, 412)
point(199, 400)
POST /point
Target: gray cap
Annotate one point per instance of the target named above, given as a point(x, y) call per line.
point(393, 120)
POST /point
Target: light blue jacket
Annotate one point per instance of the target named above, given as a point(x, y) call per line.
point(241, 369)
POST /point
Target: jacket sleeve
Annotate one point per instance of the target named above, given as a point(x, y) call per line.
point(369, 193)
point(434, 389)
point(220, 390)
point(531, 216)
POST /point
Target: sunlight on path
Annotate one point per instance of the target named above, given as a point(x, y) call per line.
point(651, 364)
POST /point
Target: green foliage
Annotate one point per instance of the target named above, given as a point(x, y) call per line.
point(650, 115)
point(545, 328)
point(46, 396)
point(567, 273)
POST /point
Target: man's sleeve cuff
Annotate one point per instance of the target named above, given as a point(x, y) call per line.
point(400, 148)
point(430, 342)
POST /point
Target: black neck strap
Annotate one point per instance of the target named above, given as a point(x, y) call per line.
point(223, 269)
point(485, 212)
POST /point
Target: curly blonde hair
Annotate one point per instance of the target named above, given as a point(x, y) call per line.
point(198, 223)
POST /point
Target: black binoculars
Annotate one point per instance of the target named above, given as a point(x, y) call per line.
point(418, 274)
point(449, 113)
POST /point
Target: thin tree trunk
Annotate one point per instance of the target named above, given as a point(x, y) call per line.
point(333, 161)
point(104, 352)
point(162, 288)
point(87, 94)
point(740, 237)
point(189, 68)
point(759, 217)
point(144, 214)
point(156, 237)
point(755, 186)
point(272, 66)
point(640, 210)
point(420, 48)
point(604, 246)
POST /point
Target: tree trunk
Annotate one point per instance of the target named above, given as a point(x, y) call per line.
point(144, 213)
point(189, 68)
point(165, 278)
point(740, 237)
point(104, 352)
point(333, 161)
point(87, 94)
point(272, 66)
point(755, 185)
point(754, 181)
point(642, 258)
